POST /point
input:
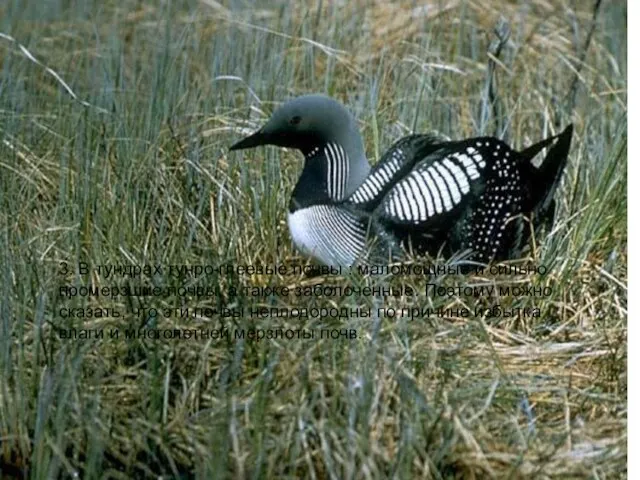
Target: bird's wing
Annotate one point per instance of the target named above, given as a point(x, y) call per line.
point(422, 183)
point(392, 167)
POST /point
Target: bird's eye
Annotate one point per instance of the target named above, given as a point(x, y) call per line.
point(295, 120)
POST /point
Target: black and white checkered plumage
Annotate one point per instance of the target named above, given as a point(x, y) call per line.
point(463, 195)
point(424, 194)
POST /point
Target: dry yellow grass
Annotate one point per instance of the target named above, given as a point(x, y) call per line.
point(152, 182)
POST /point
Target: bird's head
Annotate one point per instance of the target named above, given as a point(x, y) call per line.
point(303, 123)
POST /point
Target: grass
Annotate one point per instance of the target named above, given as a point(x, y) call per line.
point(148, 180)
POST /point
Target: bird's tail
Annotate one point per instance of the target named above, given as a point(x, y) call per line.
point(546, 178)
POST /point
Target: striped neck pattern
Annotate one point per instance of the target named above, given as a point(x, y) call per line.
point(325, 177)
point(337, 171)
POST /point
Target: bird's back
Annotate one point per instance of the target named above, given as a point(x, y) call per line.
point(470, 195)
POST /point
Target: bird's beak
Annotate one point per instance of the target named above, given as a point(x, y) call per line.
point(252, 141)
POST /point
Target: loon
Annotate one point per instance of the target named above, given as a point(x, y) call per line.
point(425, 195)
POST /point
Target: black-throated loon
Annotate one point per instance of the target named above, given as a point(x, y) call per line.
point(425, 194)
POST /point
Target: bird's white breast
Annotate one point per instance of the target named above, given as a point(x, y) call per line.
point(299, 228)
point(327, 234)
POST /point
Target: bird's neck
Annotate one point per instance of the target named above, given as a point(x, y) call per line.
point(330, 174)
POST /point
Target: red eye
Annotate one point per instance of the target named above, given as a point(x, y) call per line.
point(295, 120)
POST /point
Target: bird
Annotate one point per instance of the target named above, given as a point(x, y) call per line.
point(426, 195)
